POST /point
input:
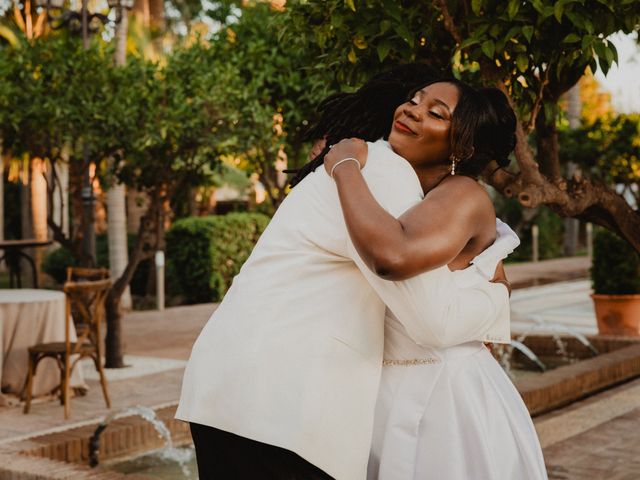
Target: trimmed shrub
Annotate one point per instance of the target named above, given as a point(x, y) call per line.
point(55, 264)
point(205, 253)
point(616, 265)
point(56, 261)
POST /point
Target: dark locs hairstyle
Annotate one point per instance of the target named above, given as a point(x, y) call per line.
point(366, 113)
point(482, 129)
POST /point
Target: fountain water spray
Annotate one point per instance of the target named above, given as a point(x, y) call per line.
point(169, 452)
point(506, 353)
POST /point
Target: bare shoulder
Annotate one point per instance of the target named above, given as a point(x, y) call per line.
point(466, 191)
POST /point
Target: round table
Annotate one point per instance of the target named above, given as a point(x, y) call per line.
point(29, 317)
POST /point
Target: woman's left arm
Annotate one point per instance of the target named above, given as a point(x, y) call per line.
point(427, 236)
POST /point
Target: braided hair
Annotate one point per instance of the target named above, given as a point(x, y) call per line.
point(482, 129)
point(366, 113)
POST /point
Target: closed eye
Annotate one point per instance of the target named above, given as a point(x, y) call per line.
point(436, 115)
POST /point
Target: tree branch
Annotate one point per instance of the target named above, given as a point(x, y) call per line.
point(449, 24)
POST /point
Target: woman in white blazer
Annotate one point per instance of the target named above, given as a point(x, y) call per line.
point(282, 382)
point(442, 413)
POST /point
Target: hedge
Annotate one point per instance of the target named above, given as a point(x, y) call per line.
point(616, 265)
point(205, 253)
point(55, 263)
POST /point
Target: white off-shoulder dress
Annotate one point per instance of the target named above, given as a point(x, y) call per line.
point(450, 413)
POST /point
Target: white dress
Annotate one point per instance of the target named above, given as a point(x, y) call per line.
point(450, 413)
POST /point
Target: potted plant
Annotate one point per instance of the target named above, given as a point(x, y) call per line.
point(615, 276)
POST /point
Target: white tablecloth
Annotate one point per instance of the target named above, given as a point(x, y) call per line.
point(29, 317)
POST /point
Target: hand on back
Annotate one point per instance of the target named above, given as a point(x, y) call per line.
point(347, 148)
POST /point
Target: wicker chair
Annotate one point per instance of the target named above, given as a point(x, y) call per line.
point(86, 300)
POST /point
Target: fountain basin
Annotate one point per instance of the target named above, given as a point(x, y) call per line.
point(65, 454)
point(618, 361)
point(157, 466)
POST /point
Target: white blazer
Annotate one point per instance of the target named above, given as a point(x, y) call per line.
point(292, 356)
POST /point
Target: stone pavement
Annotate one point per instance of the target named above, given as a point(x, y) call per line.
point(596, 438)
point(530, 274)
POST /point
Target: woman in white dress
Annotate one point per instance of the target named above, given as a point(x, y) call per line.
point(442, 413)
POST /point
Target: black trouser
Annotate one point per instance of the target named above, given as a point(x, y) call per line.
point(224, 456)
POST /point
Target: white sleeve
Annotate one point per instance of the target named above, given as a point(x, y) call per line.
point(441, 308)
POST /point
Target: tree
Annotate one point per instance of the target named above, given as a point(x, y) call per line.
point(153, 128)
point(53, 96)
point(176, 125)
point(270, 96)
point(534, 51)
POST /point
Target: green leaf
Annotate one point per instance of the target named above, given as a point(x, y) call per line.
point(558, 9)
point(587, 40)
point(572, 38)
point(614, 51)
point(467, 42)
point(350, 4)
point(538, 5)
point(488, 48)
point(522, 62)
point(352, 56)
point(476, 6)
point(404, 33)
point(512, 9)
point(527, 31)
point(384, 26)
point(383, 50)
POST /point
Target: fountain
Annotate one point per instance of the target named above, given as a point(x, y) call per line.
point(556, 328)
point(529, 354)
point(169, 452)
point(504, 353)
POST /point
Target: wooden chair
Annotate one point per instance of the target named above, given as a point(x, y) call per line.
point(80, 274)
point(86, 300)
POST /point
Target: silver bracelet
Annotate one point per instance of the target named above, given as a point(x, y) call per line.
point(348, 159)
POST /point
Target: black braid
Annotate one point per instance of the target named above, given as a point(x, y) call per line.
point(366, 113)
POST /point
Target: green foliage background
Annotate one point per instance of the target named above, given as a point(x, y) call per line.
point(205, 253)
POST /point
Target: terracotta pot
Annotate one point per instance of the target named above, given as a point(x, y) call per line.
point(618, 314)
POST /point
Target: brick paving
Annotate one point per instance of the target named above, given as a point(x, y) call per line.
point(608, 448)
point(603, 442)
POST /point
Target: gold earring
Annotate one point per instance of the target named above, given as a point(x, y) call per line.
point(454, 159)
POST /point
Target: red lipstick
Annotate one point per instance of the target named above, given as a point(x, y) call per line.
point(402, 127)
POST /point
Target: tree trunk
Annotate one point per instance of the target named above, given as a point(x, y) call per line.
point(75, 192)
point(38, 211)
point(1, 194)
point(114, 351)
point(547, 143)
point(115, 194)
point(141, 10)
point(571, 225)
point(156, 10)
point(60, 198)
point(117, 236)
